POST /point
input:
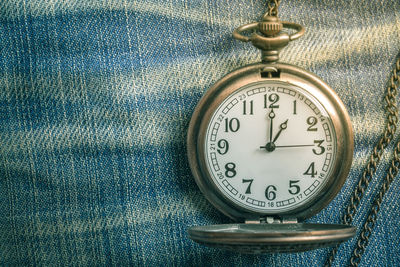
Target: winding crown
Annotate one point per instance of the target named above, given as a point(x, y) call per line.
point(270, 25)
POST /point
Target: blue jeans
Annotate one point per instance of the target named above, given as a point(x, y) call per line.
point(96, 97)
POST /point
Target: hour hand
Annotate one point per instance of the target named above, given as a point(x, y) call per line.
point(282, 127)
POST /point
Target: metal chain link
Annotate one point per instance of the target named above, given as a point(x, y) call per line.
point(390, 129)
point(391, 174)
point(373, 213)
point(273, 6)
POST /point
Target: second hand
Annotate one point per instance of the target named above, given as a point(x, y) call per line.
point(295, 146)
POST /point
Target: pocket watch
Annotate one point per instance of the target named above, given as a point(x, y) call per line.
point(270, 145)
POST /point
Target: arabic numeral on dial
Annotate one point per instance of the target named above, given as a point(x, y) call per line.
point(295, 107)
point(329, 147)
point(248, 107)
point(250, 181)
point(273, 98)
point(212, 146)
point(293, 187)
point(223, 147)
point(270, 192)
point(312, 121)
point(321, 149)
point(230, 171)
point(232, 125)
point(311, 170)
point(242, 96)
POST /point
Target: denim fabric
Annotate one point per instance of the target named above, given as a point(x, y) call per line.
point(96, 97)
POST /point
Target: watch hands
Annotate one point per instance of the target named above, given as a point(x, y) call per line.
point(271, 115)
point(270, 146)
point(282, 127)
point(294, 146)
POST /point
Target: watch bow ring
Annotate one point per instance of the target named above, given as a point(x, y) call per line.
point(271, 39)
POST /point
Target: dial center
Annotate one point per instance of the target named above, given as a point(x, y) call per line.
point(269, 147)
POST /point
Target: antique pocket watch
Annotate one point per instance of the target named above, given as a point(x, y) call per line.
point(270, 145)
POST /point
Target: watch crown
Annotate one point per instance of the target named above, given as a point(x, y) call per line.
point(270, 25)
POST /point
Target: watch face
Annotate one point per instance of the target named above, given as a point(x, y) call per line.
point(270, 147)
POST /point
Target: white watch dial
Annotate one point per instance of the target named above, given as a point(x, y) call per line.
point(270, 147)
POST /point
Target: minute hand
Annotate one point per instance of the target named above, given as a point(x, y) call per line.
point(271, 116)
point(282, 127)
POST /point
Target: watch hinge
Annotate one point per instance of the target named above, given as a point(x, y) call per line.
point(271, 220)
point(270, 73)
